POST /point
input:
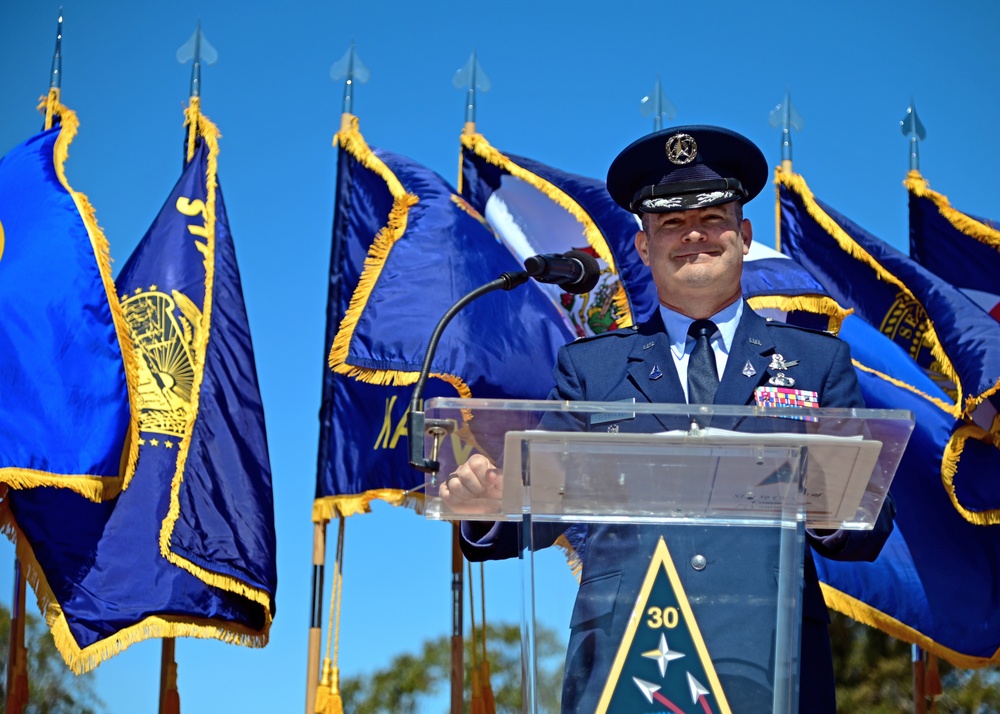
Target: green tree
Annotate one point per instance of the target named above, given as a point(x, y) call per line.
point(874, 674)
point(410, 679)
point(52, 687)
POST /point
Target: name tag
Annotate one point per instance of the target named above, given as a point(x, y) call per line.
point(606, 417)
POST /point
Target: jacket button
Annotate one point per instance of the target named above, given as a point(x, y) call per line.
point(699, 562)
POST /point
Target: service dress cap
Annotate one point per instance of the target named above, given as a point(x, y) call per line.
point(687, 167)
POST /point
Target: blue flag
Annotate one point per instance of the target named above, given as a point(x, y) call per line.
point(65, 419)
point(934, 582)
point(939, 327)
point(189, 548)
point(540, 209)
point(401, 231)
point(960, 249)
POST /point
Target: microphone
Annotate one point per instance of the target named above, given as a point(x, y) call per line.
point(575, 272)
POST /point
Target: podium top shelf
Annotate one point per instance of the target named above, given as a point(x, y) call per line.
point(660, 463)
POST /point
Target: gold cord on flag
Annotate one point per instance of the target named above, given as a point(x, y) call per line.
point(328, 698)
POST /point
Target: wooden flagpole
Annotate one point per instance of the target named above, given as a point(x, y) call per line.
point(17, 654)
point(457, 644)
point(316, 616)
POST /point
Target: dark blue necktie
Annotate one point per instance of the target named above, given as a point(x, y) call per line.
point(703, 377)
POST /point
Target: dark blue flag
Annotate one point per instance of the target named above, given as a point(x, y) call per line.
point(935, 582)
point(65, 419)
point(189, 548)
point(938, 326)
point(961, 249)
point(406, 247)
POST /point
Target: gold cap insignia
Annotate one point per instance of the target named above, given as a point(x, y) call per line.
point(681, 149)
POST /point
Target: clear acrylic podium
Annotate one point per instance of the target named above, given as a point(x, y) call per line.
point(690, 524)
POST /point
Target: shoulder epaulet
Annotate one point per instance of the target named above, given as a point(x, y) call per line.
point(777, 323)
point(622, 332)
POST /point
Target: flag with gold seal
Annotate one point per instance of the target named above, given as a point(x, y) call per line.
point(189, 548)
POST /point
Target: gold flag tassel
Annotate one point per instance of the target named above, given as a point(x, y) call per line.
point(489, 702)
point(328, 699)
point(476, 705)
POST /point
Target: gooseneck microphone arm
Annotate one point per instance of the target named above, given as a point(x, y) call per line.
point(417, 424)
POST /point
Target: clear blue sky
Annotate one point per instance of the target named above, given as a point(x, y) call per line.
point(567, 80)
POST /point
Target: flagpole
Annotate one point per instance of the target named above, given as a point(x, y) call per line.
point(657, 105)
point(919, 697)
point(316, 615)
point(17, 666)
point(170, 701)
point(457, 644)
point(473, 77)
point(198, 50)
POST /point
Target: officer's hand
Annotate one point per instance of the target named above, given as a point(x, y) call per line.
point(472, 483)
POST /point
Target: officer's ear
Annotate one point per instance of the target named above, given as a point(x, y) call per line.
point(642, 246)
point(746, 232)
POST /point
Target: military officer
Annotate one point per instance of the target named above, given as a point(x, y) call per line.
point(703, 345)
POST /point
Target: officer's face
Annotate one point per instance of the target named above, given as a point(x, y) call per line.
point(696, 256)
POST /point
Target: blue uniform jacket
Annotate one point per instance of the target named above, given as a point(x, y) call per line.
point(617, 366)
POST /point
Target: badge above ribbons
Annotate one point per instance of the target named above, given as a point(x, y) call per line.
point(662, 660)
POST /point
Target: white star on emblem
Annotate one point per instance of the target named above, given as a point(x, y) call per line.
point(663, 655)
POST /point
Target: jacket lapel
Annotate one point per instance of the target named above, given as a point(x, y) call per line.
point(651, 367)
point(751, 345)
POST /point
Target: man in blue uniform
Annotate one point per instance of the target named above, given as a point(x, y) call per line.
point(704, 345)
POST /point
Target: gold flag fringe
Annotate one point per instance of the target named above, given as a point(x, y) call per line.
point(81, 660)
point(208, 132)
point(327, 508)
point(795, 182)
point(572, 557)
point(866, 614)
point(949, 468)
point(93, 488)
point(350, 139)
point(477, 144)
point(944, 406)
point(816, 304)
point(988, 235)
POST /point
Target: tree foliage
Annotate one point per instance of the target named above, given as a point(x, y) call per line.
point(874, 674)
point(409, 681)
point(873, 671)
point(52, 687)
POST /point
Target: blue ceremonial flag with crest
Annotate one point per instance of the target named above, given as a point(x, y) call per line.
point(189, 548)
point(65, 418)
point(406, 247)
point(935, 581)
point(541, 209)
point(961, 249)
point(939, 327)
